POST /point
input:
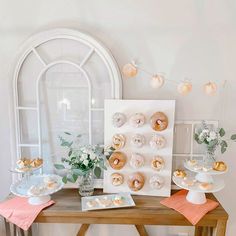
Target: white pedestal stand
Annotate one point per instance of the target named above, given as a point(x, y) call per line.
point(39, 200)
point(196, 195)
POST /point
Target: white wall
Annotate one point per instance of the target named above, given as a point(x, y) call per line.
point(185, 38)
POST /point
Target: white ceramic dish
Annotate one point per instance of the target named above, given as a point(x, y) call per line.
point(126, 197)
point(21, 188)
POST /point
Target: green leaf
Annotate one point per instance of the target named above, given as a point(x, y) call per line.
point(77, 172)
point(233, 137)
point(97, 171)
point(213, 143)
point(64, 179)
point(223, 149)
point(222, 132)
point(69, 153)
point(66, 144)
point(59, 166)
point(67, 133)
point(224, 143)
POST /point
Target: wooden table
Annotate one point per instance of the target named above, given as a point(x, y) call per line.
point(148, 211)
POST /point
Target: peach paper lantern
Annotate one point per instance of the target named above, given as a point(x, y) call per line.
point(210, 88)
point(157, 81)
point(130, 70)
point(184, 88)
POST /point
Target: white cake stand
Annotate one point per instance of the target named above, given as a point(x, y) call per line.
point(21, 188)
point(195, 194)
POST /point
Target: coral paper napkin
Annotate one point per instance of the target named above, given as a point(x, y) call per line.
point(193, 212)
point(19, 212)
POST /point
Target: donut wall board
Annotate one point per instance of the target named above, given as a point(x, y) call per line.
point(141, 131)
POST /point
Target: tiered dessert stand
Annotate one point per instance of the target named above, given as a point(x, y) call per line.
point(21, 187)
point(199, 174)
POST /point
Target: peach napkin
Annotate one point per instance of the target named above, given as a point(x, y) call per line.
point(193, 212)
point(19, 212)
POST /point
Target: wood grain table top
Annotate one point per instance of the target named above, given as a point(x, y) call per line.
point(148, 211)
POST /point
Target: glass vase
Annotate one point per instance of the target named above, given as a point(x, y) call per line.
point(86, 187)
point(210, 156)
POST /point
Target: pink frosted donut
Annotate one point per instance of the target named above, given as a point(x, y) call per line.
point(138, 140)
point(156, 182)
point(118, 119)
point(157, 142)
point(136, 160)
point(137, 120)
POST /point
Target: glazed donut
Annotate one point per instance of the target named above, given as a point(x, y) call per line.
point(117, 179)
point(157, 142)
point(156, 182)
point(136, 160)
point(117, 160)
point(206, 186)
point(179, 173)
point(136, 181)
point(118, 119)
point(159, 121)
point(157, 163)
point(219, 166)
point(118, 141)
point(137, 120)
point(138, 140)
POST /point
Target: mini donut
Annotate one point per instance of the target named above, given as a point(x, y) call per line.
point(157, 142)
point(104, 202)
point(192, 162)
point(138, 140)
point(137, 120)
point(118, 141)
point(118, 201)
point(188, 182)
point(219, 166)
point(156, 182)
point(206, 186)
point(118, 119)
point(117, 160)
point(136, 181)
point(117, 179)
point(136, 160)
point(91, 203)
point(157, 163)
point(159, 121)
point(179, 173)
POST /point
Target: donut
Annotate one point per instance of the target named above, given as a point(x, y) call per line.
point(118, 141)
point(157, 142)
point(156, 182)
point(159, 121)
point(91, 203)
point(188, 182)
point(206, 186)
point(117, 160)
point(192, 162)
point(219, 166)
point(138, 140)
point(104, 202)
point(118, 119)
point(157, 163)
point(136, 181)
point(179, 173)
point(118, 201)
point(136, 160)
point(137, 120)
point(117, 179)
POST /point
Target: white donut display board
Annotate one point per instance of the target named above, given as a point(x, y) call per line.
point(129, 123)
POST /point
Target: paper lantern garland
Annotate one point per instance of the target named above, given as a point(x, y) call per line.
point(157, 81)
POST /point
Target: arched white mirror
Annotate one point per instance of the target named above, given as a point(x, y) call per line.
point(60, 82)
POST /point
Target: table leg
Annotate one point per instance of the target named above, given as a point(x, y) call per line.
point(83, 229)
point(198, 231)
point(30, 231)
point(7, 227)
point(141, 230)
point(220, 228)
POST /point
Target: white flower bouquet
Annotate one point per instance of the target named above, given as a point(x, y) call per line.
point(212, 138)
point(81, 159)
